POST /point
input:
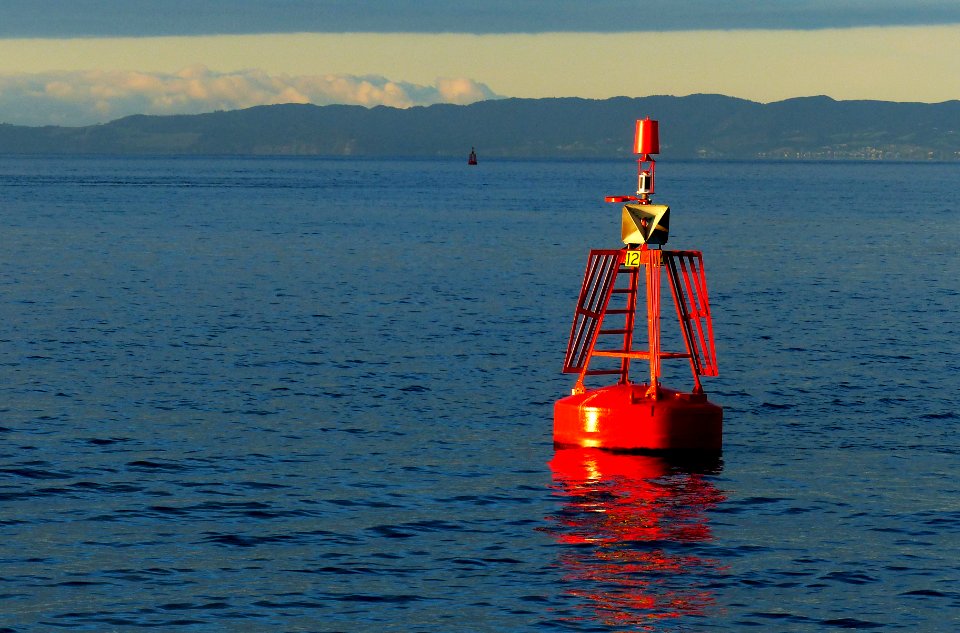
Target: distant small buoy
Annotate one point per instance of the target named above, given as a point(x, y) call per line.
point(472, 160)
point(645, 416)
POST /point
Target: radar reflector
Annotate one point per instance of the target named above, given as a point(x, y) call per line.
point(645, 223)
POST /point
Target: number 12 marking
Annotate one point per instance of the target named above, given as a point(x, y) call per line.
point(632, 259)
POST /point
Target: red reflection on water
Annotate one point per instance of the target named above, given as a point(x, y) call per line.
point(626, 516)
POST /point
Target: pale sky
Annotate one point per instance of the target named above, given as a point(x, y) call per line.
point(97, 60)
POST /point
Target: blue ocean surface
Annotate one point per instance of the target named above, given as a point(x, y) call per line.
point(300, 394)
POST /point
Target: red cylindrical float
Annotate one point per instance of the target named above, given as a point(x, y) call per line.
point(624, 417)
point(647, 138)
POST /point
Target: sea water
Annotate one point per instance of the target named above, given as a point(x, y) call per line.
point(297, 394)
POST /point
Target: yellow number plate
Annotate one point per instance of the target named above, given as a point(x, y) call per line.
point(632, 259)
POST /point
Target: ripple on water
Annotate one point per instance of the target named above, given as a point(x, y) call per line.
point(228, 405)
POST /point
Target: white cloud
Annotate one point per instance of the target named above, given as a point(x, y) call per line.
point(97, 96)
point(461, 91)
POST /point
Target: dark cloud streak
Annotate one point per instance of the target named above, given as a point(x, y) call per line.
point(140, 18)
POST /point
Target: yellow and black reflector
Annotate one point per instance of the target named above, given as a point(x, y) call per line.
point(645, 223)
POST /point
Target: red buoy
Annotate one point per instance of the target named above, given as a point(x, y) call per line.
point(642, 416)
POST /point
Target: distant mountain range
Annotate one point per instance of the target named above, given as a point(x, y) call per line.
point(696, 126)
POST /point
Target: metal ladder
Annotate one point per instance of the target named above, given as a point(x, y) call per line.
point(689, 290)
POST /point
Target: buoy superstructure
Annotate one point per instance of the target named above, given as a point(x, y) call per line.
point(639, 416)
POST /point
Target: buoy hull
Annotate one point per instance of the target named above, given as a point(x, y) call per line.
point(623, 417)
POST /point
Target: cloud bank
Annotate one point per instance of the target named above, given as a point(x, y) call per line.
point(144, 18)
point(97, 96)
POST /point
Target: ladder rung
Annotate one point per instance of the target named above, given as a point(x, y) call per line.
point(622, 290)
point(635, 354)
point(621, 354)
point(619, 331)
point(601, 372)
point(620, 311)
